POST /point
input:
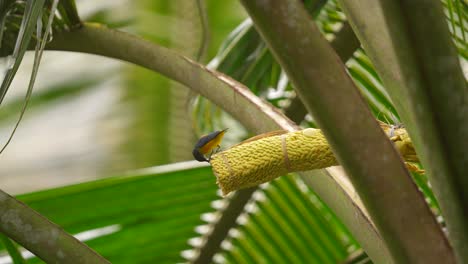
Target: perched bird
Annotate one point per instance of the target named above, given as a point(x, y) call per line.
point(207, 144)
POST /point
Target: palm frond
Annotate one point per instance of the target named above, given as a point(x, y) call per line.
point(24, 36)
point(126, 221)
point(457, 16)
point(284, 222)
point(12, 249)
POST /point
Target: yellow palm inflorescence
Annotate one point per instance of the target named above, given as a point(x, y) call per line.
point(265, 158)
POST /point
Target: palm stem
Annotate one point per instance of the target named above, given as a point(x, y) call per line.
point(344, 44)
point(40, 236)
point(421, 72)
point(360, 146)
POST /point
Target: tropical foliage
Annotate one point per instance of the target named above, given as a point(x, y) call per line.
point(403, 62)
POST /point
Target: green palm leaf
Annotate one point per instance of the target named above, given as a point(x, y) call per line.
point(12, 249)
point(286, 221)
point(144, 216)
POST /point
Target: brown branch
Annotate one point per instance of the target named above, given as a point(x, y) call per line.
point(40, 236)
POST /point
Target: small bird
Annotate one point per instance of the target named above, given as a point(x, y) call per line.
point(207, 144)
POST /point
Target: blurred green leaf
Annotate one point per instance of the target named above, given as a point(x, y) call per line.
point(69, 13)
point(164, 121)
point(12, 249)
point(457, 16)
point(153, 212)
point(5, 8)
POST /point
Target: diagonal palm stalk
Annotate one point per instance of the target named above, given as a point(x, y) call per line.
point(40, 236)
point(345, 44)
point(423, 76)
point(355, 137)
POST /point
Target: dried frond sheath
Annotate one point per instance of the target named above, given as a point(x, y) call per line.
point(266, 158)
